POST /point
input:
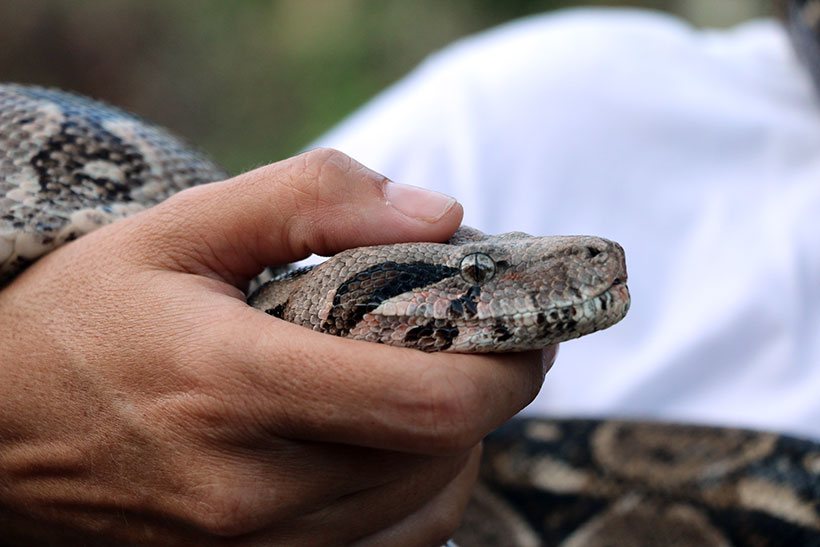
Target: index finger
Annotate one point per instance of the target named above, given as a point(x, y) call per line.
point(324, 388)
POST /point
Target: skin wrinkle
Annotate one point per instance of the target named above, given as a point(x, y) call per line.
point(328, 164)
point(201, 254)
point(296, 250)
point(293, 229)
point(305, 181)
point(447, 405)
point(287, 387)
point(172, 250)
point(438, 520)
point(229, 509)
point(290, 385)
point(267, 239)
point(398, 483)
point(242, 486)
point(415, 490)
point(205, 255)
point(306, 228)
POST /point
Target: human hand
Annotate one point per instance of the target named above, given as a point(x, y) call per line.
point(142, 400)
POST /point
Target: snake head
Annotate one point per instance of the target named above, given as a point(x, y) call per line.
point(476, 293)
point(480, 293)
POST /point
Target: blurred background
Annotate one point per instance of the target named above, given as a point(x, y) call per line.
point(253, 81)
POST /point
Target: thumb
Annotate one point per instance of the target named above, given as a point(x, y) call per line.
point(318, 202)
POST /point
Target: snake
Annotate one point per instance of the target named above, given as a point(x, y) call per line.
point(70, 164)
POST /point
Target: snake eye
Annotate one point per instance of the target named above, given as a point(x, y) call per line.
point(477, 268)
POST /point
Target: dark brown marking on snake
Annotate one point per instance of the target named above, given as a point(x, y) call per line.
point(436, 333)
point(568, 324)
point(361, 293)
point(81, 139)
point(466, 305)
point(502, 333)
point(277, 311)
point(456, 309)
point(557, 321)
point(19, 264)
point(68, 152)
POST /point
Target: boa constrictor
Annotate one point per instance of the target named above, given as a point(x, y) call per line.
point(69, 165)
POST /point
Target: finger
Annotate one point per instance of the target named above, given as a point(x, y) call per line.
point(308, 475)
point(358, 512)
point(436, 522)
point(381, 507)
point(319, 202)
point(370, 394)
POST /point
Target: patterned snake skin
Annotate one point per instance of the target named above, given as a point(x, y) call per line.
point(69, 165)
point(477, 293)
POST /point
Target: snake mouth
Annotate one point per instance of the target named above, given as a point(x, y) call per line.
point(539, 328)
point(616, 289)
point(617, 292)
point(584, 316)
point(608, 306)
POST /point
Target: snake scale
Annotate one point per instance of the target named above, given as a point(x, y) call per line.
point(69, 165)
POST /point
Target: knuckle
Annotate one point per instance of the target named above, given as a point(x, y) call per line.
point(328, 167)
point(185, 201)
point(326, 163)
point(325, 154)
point(309, 180)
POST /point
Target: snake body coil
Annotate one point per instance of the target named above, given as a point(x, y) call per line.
point(69, 165)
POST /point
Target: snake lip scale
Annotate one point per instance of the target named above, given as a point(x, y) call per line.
point(605, 298)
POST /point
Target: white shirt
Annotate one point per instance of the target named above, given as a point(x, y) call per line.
point(697, 150)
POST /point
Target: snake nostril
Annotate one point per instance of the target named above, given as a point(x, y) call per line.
point(593, 252)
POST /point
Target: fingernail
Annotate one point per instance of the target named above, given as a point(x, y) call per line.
point(418, 203)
